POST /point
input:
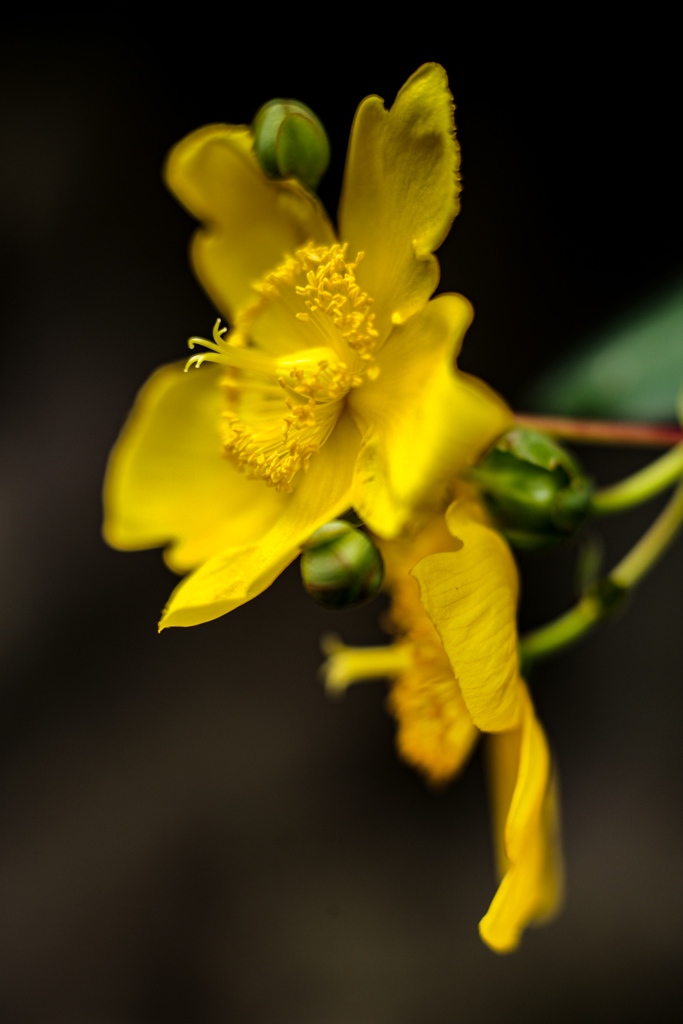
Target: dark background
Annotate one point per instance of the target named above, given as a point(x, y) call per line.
point(190, 831)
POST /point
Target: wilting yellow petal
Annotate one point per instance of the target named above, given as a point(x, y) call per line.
point(238, 574)
point(435, 731)
point(250, 221)
point(471, 597)
point(422, 420)
point(168, 481)
point(524, 794)
point(400, 192)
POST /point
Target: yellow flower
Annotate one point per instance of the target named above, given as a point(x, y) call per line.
point(336, 384)
point(454, 673)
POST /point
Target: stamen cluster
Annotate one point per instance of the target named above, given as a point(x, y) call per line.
point(273, 437)
point(332, 289)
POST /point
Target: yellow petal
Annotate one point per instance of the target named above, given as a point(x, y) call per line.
point(402, 555)
point(471, 597)
point(435, 731)
point(526, 829)
point(250, 221)
point(400, 192)
point(238, 574)
point(168, 481)
point(423, 421)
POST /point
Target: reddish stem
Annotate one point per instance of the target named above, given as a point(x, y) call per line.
point(649, 435)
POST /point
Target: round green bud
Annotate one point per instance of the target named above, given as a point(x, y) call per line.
point(533, 488)
point(290, 142)
point(340, 566)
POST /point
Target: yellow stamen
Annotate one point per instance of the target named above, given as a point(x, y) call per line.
point(271, 434)
point(279, 445)
point(232, 352)
point(331, 289)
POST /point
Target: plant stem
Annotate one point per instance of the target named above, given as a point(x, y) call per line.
point(561, 633)
point(651, 545)
point(641, 486)
point(607, 595)
point(648, 435)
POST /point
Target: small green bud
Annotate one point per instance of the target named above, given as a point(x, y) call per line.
point(533, 488)
point(290, 142)
point(340, 566)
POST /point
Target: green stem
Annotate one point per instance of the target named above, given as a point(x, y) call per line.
point(641, 486)
point(560, 633)
point(651, 545)
point(607, 595)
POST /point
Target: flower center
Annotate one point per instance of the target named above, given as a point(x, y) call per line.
point(292, 357)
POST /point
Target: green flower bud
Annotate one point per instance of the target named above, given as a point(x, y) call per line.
point(340, 566)
point(533, 488)
point(290, 142)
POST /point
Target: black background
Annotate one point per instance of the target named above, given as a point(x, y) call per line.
point(191, 831)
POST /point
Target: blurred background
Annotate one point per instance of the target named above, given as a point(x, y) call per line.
point(190, 830)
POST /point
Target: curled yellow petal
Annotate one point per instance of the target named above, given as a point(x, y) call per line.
point(237, 574)
point(168, 481)
point(250, 221)
point(401, 192)
point(423, 421)
point(435, 732)
point(471, 597)
point(526, 829)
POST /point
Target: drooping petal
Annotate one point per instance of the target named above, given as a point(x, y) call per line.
point(250, 221)
point(423, 421)
point(435, 731)
point(400, 193)
point(168, 481)
point(238, 574)
point(471, 597)
point(526, 829)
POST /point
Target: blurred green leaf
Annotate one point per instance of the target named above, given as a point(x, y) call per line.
point(631, 371)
